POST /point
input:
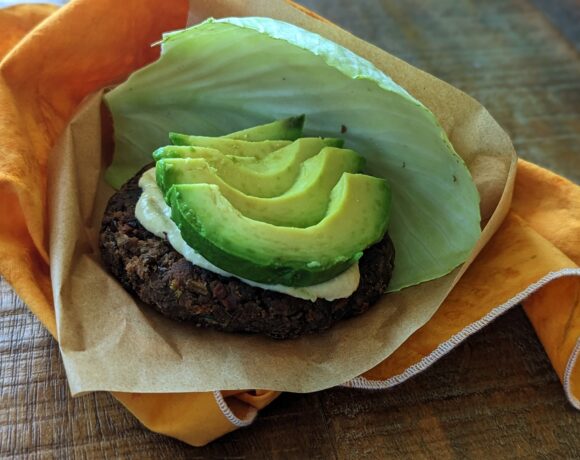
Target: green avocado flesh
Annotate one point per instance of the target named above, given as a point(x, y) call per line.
point(267, 177)
point(237, 147)
point(288, 129)
point(295, 215)
point(302, 205)
point(230, 146)
point(212, 155)
point(357, 217)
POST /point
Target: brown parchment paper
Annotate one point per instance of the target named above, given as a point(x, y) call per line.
point(111, 342)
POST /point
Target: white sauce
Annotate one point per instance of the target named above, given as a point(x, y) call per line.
point(155, 215)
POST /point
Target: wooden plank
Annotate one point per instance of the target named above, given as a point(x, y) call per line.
point(565, 17)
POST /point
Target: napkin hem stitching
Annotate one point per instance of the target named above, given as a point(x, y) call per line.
point(568, 376)
point(445, 347)
point(227, 412)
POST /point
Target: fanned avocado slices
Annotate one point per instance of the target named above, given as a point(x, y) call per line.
point(266, 177)
point(303, 205)
point(296, 215)
point(357, 217)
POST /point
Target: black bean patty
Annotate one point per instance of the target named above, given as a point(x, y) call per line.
point(149, 267)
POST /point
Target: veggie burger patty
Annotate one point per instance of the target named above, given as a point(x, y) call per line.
point(161, 277)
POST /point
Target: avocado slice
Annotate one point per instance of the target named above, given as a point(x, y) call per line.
point(239, 147)
point(288, 256)
point(303, 205)
point(213, 155)
point(288, 129)
point(230, 146)
point(267, 177)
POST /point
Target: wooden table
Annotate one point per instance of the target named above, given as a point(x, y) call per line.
point(495, 396)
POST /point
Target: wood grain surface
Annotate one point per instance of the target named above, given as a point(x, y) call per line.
point(495, 396)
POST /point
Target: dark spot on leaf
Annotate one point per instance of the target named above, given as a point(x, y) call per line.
point(454, 178)
point(404, 164)
point(343, 129)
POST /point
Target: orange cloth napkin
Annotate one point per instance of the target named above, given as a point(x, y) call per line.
point(534, 256)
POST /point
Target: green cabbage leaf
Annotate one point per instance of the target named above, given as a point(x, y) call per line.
point(228, 74)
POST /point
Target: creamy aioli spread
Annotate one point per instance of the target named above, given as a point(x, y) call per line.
point(155, 215)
